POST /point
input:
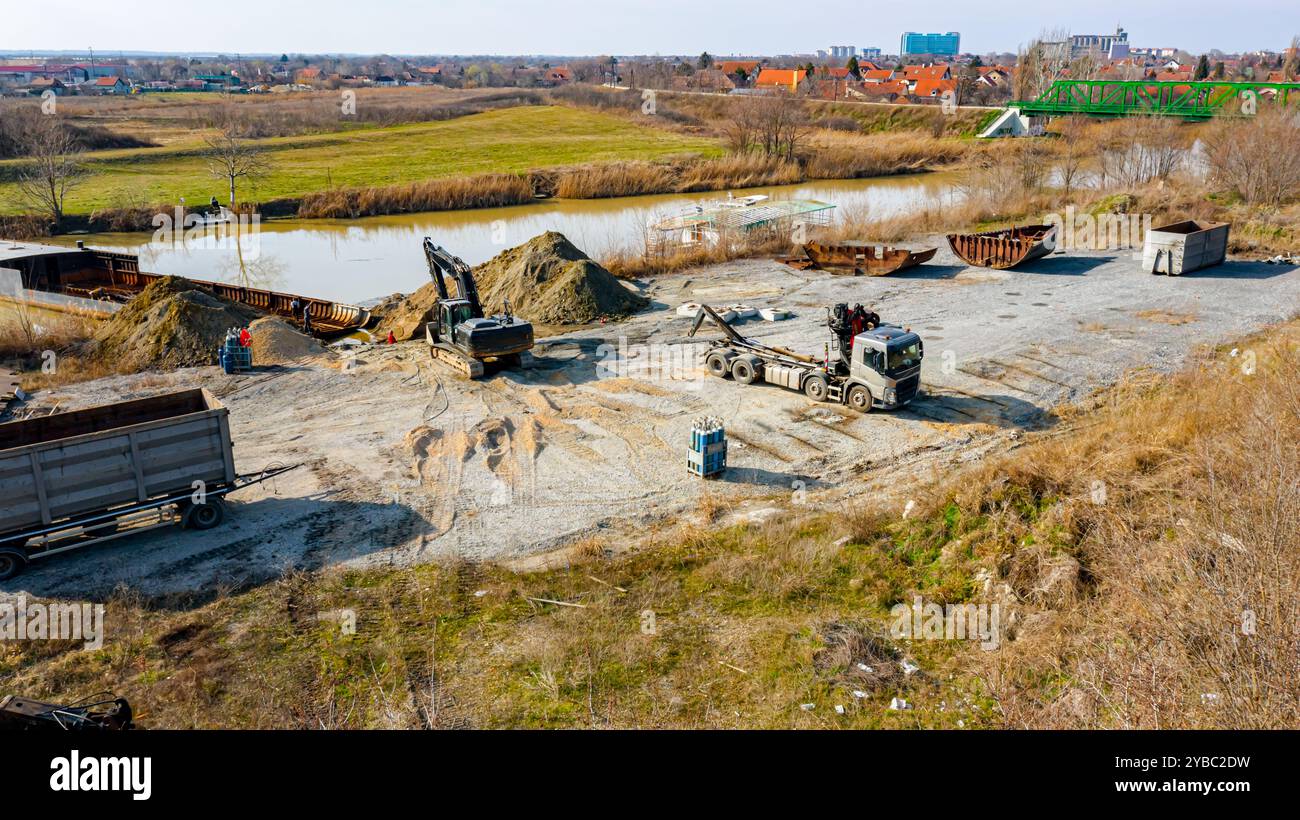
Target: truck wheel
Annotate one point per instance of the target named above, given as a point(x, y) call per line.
point(12, 562)
point(716, 364)
point(815, 388)
point(860, 398)
point(205, 516)
point(743, 370)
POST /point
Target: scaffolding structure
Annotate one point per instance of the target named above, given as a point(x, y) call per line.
point(735, 218)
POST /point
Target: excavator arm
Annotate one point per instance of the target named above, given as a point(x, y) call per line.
point(441, 261)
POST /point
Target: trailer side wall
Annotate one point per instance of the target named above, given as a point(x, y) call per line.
point(49, 480)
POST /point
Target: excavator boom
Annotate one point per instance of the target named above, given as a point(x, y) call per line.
point(441, 261)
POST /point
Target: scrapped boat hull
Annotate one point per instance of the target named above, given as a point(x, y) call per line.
point(93, 277)
point(1004, 249)
point(865, 258)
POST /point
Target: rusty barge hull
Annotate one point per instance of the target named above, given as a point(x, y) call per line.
point(113, 278)
point(1004, 249)
point(865, 258)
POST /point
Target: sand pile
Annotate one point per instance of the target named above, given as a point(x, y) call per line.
point(275, 342)
point(405, 315)
point(551, 282)
point(547, 280)
point(170, 324)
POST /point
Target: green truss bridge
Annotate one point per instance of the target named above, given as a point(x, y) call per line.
point(1189, 100)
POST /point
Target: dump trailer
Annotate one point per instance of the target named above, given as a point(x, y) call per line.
point(877, 366)
point(74, 479)
point(460, 334)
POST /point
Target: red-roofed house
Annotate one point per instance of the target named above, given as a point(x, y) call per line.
point(1182, 75)
point(884, 92)
point(933, 89)
point(559, 75)
point(877, 75)
point(730, 67)
point(912, 73)
point(785, 78)
point(108, 85)
point(994, 76)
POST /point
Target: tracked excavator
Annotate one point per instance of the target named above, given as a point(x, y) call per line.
point(460, 335)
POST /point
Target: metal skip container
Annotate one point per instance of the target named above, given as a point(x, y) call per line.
point(1185, 246)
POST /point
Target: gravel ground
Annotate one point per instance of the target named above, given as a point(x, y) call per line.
point(406, 462)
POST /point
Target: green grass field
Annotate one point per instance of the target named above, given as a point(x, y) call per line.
point(509, 140)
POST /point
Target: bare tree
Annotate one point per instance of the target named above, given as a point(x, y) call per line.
point(1291, 66)
point(774, 125)
point(1148, 149)
point(1073, 151)
point(1247, 158)
point(1040, 63)
point(52, 167)
point(232, 158)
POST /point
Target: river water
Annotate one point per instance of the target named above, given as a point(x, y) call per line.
point(360, 260)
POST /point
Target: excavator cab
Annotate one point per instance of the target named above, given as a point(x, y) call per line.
point(450, 314)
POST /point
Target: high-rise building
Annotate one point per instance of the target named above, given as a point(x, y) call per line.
point(947, 45)
point(869, 53)
point(844, 52)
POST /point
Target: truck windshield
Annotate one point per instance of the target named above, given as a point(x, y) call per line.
point(904, 356)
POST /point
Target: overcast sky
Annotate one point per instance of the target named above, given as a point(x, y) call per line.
point(623, 26)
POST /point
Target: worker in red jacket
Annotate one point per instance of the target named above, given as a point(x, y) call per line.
point(245, 338)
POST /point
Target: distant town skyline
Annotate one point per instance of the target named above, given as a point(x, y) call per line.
point(570, 27)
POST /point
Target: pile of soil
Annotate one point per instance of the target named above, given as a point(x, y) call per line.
point(550, 282)
point(547, 280)
point(275, 342)
point(405, 316)
point(170, 324)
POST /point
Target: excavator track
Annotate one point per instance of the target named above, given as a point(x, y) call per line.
point(462, 364)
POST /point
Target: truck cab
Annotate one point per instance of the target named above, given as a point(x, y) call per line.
point(885, 370)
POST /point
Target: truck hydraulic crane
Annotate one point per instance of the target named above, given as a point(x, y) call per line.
point(877, 366)
point(460, 334)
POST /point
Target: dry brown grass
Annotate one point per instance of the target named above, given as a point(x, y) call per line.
point(44, 347)
point(449, 194)
point(684, 176)
point(883, 154)
point(1181, 502)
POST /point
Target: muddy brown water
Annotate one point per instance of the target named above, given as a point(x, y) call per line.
point(359, 260)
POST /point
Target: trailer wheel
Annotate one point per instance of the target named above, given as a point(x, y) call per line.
point(743, 370)
point(860, 398)
point(205, 516)
point(12, 562)
point(716, 364)
point(815, 388)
